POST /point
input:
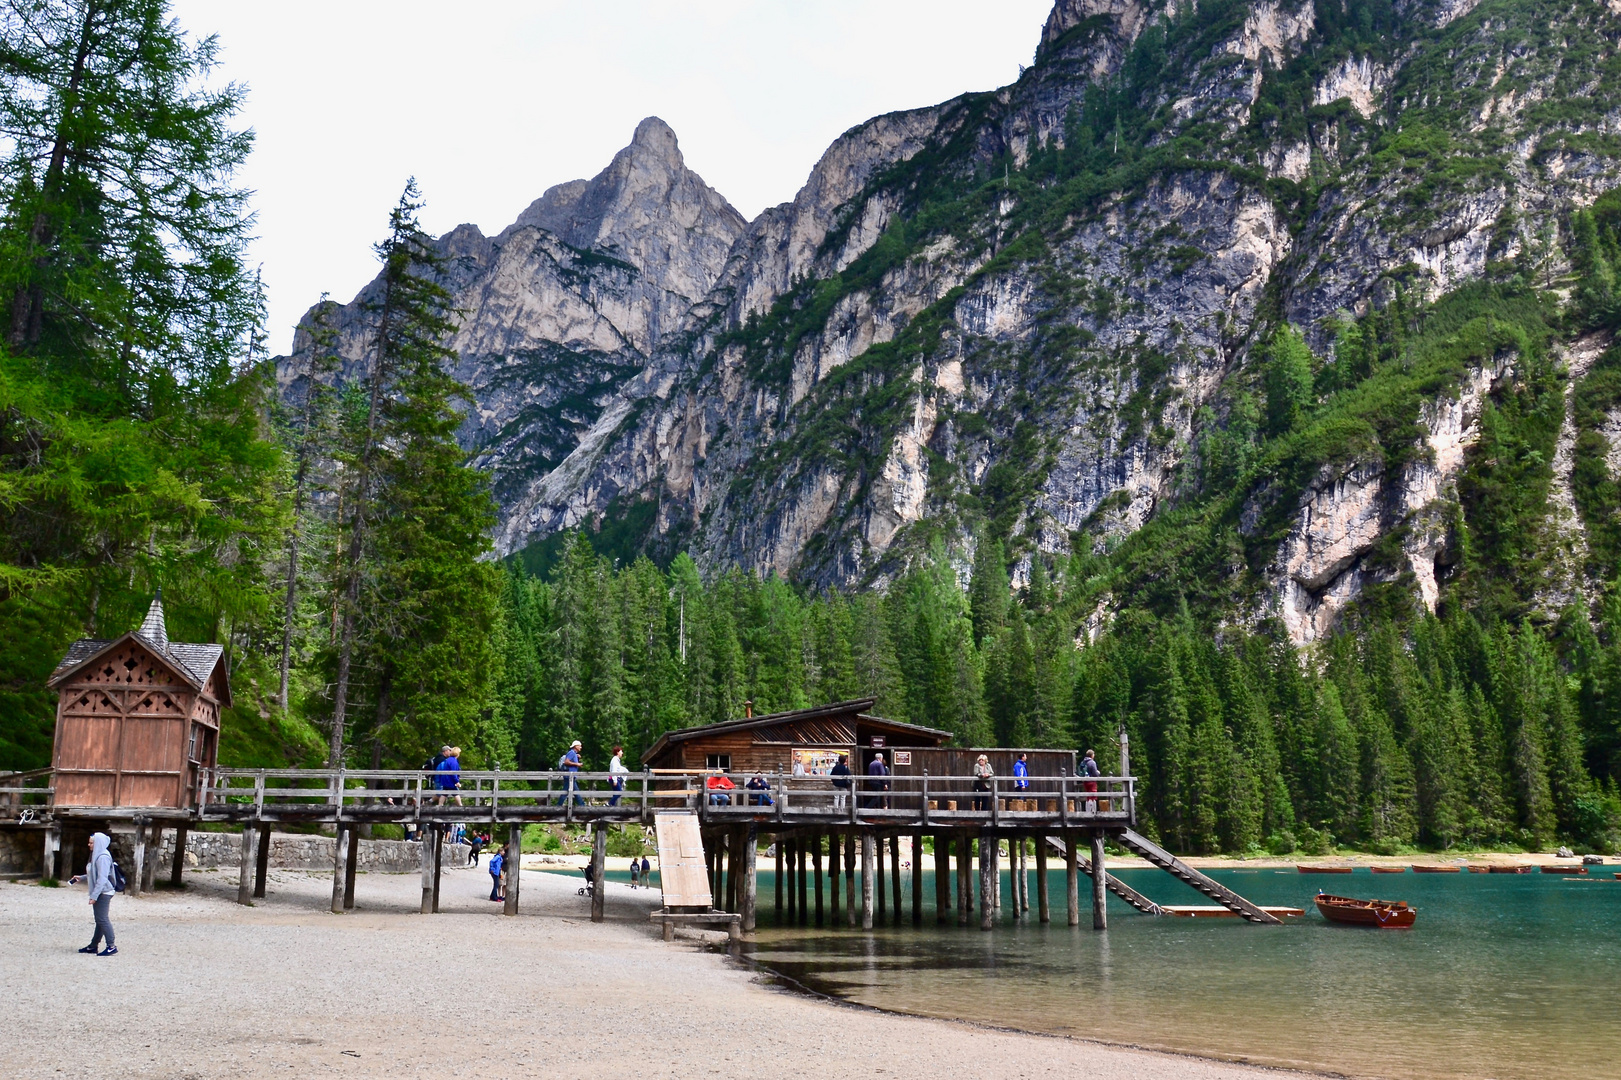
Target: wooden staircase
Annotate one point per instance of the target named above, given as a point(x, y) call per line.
point(1218, 892)
point(1114, 884)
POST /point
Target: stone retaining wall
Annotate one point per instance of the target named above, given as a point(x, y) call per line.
point(292, 851)
point(20, 850)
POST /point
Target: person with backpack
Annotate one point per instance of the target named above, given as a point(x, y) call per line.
point(497, 861)
point(570, 763)
point(103, 878)
point(635, 871)
point(475, 844)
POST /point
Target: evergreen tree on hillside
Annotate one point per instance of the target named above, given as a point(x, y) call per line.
point(132, 452)
point(417, 606)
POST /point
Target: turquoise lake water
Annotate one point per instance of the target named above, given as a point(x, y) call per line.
point(1503, 976)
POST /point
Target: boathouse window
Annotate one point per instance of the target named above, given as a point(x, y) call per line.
point(723, 762)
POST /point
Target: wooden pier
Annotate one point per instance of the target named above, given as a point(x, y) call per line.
point(819, 834)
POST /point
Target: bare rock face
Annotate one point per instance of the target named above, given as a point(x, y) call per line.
point(1026, 309)
point(567, 303)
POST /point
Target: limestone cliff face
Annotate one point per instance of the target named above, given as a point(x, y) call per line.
point(1025, 309)
point(568, 302)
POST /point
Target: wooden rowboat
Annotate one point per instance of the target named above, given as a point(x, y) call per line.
point(1417, 869)
point(1385, 914)
point(1510, 870)
point(1480, 869)
point(1564, 869)
point(1324, 869)
point(1388, 869)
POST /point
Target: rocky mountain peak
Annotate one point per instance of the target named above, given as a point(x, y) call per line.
point(1128, 17)
point(642, 208)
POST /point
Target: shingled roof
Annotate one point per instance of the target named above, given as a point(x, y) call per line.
point(857, 706)
point(192, 662)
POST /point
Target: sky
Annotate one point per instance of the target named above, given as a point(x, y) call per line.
point(489, 103)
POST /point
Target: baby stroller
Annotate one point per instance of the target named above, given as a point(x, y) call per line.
point(590, 886)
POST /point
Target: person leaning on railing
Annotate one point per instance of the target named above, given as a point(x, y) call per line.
point(982, 782)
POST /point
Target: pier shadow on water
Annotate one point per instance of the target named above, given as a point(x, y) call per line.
point(1504, 976)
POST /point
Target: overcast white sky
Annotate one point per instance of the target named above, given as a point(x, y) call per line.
point(489, 103)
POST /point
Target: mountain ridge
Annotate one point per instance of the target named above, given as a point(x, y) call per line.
point(1031, 312)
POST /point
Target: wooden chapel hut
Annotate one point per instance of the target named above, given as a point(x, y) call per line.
point(137, 718)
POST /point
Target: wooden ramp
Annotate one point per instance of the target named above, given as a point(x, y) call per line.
point(1216, 911)
point(683, 876)
point(1218, 892)
point(1112, 883)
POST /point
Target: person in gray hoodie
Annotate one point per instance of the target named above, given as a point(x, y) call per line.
point(98, 875)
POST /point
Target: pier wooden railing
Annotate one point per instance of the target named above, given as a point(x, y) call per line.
point(408, 795)
point(25, 794)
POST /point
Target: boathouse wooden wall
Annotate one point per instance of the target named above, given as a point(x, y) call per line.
point(131, 732)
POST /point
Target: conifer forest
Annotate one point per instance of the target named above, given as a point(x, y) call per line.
point(340, 542)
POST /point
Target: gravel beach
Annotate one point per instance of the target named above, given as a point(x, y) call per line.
point(205, 988)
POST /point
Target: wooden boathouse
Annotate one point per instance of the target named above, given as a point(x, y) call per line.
point(137, 740)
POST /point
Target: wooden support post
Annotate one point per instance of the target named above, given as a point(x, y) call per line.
point(942, 877)
point(340, 862)
point(882, 911)
point(178, 866)
point(961, 846)
point(599, 862)
point(790, 857)
point(438, 863)
point(804, 898)
point(426, 840)
point(1043, 908)
point(750, 883)
point(149, 869)
point(1100, 885)
point(776, 847)
point(833, 846)
point(989, 885)
point(135, 879)
point(1024, 878)
point(727, 858)
point(816, 872)
point(996, 872)
point(512, 867)
point(244, 884)
point(53, 844)
point(895, 874)
point(917, 879)
point(866, 881)
point(1072, 888)
point(850, 879)
point(261, 865)
point(350, 865)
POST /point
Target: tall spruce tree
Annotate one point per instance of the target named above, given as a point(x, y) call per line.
point(416, 605)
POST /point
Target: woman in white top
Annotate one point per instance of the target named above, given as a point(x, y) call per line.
point(616, 774)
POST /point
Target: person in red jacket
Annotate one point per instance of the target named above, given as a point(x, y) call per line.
point(719, 786)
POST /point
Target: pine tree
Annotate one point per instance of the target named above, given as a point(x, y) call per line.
point(1288, 380)
point(418, 522)
point(311, 437)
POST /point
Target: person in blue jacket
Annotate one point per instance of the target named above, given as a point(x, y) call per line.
point(448, 773)
point(497, 861)
point(1021, 773)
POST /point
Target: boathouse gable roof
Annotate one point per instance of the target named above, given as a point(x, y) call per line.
point(806, 727)
point(194, 663)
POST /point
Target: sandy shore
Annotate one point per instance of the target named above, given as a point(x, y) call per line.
point(204, 988)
